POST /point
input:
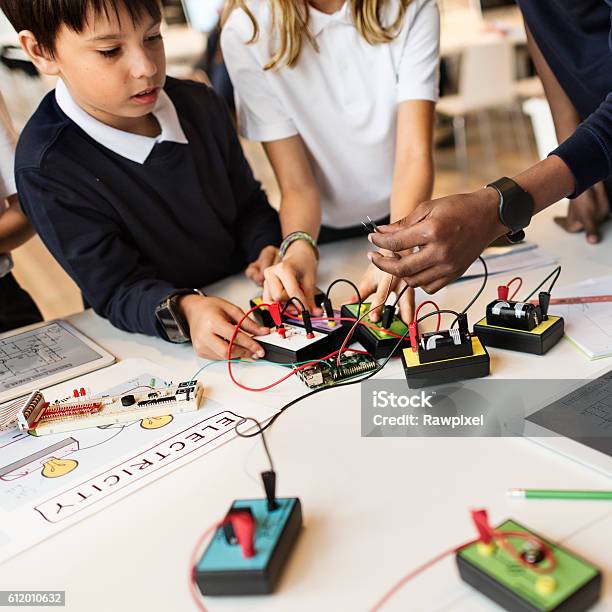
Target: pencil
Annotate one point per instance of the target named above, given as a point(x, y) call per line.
point(559, 494)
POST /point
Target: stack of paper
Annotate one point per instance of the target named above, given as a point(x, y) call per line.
point(501, 260)
point(588, 326)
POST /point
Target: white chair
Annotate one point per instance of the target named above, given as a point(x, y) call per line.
point(486, 81)
point(529, 87)
point(538, 111)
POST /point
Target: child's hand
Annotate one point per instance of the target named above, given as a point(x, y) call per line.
point(374, 287)
point(211, 324)
point(255, 270)
point(294, 276)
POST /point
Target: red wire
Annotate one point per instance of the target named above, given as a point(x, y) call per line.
point(501, 536)
point(231, 344)
point(197, 599)
point(293, 371)
point(342, 349)
point(418, 308)
point(419, 570)
point(358, 320)
point(520, 284)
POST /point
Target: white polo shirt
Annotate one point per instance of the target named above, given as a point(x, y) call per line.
point(131, 146)
point(342, 100)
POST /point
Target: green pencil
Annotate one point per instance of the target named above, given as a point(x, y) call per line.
point(558, 494)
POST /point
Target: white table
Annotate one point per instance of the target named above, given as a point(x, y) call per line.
point(462, 28)
point(374, 508)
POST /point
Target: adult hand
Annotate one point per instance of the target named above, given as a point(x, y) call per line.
point(586, 213)
point(374, 287)
point(255, 270)
point(450, 232)
point(212, 321)
point(294, 276)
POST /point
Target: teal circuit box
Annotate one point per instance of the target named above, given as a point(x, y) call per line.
point(224, 570)
point(572, 585)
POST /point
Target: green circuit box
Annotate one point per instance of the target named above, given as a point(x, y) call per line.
point(574, 585)
point(445, 371)
point(373, 337)
point(538, 341)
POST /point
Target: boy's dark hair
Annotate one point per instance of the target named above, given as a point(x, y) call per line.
point(44, 18)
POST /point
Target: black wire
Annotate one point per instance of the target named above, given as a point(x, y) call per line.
point(479, 292)
point(348, 282)
point(447, 311)
point(399, 295)
point(263, 437)
point(439, 311)
point(482, 287)
point(556, 271)
point(315, 391)
point(294, 299)
point(383, 364)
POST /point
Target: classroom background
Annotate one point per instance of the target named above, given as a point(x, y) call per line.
point(492, 118)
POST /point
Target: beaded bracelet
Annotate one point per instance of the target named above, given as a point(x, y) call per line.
point(293, 237)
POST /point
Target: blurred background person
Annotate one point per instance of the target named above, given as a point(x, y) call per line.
point(16, 306)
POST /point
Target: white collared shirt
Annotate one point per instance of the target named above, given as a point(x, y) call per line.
point(131, 146)
point(341, 100)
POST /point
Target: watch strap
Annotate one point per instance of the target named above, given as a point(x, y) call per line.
point(515, 206)
point(178, 332)
point(516, 237)
point(179, 292)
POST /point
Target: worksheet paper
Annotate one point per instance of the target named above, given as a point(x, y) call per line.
point(587, 326)
point(48, 483)
point(502, 260)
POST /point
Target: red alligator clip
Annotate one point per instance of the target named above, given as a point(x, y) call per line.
point(414, 335)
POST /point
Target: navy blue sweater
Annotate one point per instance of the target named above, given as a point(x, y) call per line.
point(575, 38)
point(130, 234)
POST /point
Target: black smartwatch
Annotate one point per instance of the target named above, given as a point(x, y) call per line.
point(171, 319)
point(515, 207)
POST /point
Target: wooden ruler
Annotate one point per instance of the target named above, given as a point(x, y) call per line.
point(589, 299)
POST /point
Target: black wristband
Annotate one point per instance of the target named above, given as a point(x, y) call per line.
point(172, 321)
point(515, 207)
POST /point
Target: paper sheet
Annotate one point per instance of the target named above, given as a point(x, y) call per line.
point(588, 326)
point(48, 483)
point(500, 260)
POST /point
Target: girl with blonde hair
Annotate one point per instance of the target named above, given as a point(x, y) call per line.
point(341, 93)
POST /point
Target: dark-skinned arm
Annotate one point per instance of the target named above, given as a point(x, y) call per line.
point(452, 232)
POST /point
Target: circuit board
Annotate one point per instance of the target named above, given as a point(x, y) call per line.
point(40, 417)
point(326, 373)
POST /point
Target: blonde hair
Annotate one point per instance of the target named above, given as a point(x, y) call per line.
point(292, 16)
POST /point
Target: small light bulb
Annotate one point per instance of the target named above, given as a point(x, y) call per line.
point(54, 468)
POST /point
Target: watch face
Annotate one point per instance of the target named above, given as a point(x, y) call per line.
point(171, 325)
point(516, 206)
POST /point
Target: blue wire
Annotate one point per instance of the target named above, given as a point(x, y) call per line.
point(245, 362)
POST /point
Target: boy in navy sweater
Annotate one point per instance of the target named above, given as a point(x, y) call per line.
point(136, 182)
